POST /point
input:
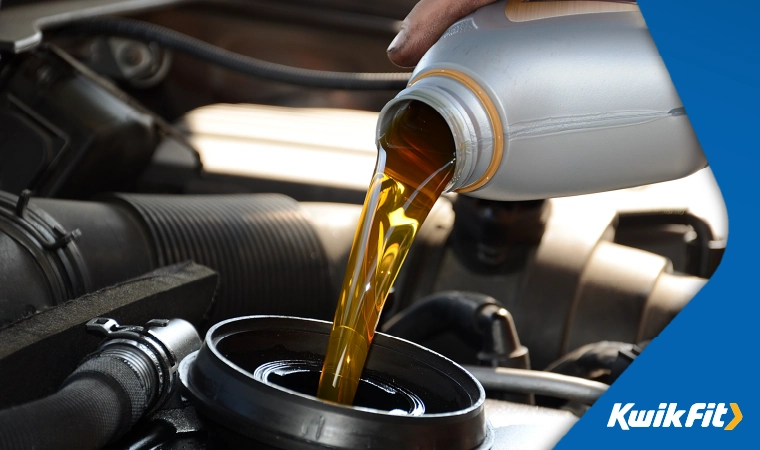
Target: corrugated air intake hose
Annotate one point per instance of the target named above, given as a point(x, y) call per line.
point(269, 257)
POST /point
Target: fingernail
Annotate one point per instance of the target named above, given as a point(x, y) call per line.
point(398, 41)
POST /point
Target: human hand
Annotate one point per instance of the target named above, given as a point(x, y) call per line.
point(424, 26)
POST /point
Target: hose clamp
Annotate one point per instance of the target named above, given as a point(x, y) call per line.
point(165, 342)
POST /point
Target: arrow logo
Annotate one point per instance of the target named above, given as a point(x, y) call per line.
point(737, 417)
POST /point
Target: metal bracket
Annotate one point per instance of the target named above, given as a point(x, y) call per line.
point(23, 203)
point(102, 326)
point(61, 236)
point(63, 239)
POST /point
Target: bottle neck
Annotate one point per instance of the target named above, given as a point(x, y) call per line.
point(467, 118)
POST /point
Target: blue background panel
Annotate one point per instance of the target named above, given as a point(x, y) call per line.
point(709, 353)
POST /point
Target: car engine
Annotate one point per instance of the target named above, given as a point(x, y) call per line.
point(175, 180)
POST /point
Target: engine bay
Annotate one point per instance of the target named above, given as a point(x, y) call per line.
point(153, 199)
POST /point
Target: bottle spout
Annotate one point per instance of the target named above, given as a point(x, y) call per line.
point(468, 121)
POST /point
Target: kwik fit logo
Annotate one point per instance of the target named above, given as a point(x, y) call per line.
point(669, 415)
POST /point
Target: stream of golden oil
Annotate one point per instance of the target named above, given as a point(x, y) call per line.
point(415, 162)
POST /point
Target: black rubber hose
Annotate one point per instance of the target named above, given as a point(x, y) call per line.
point(602, 361)
point(240, 63)
point(100, 401)
point(521, 381)
point(440, 312)
point(479, 320)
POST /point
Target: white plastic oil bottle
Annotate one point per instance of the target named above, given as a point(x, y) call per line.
point(556, 98)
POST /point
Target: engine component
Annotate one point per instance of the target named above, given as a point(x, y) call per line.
point(131, 373)
point(39, 251)
point(553, 281)
point(21, 27)
point(138, 64)
point(66, 132)
point(241, 63)
point(603, 361)
point(599, 289)
point(164, 342)
point(505, 379)
point(478, 319)
point(271, 366)
point(702, 256)
point(635, 292)
point(51, 343)
point(259, 244)
point(492, 237)
point(24, 25)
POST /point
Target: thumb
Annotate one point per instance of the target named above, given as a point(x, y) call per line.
point(424, 26)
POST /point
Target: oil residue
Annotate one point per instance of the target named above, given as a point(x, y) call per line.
point(374, 391)
point(415, 162)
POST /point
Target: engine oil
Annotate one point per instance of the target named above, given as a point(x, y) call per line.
point(528, 106)
point(416, 162)
point(374, 390)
